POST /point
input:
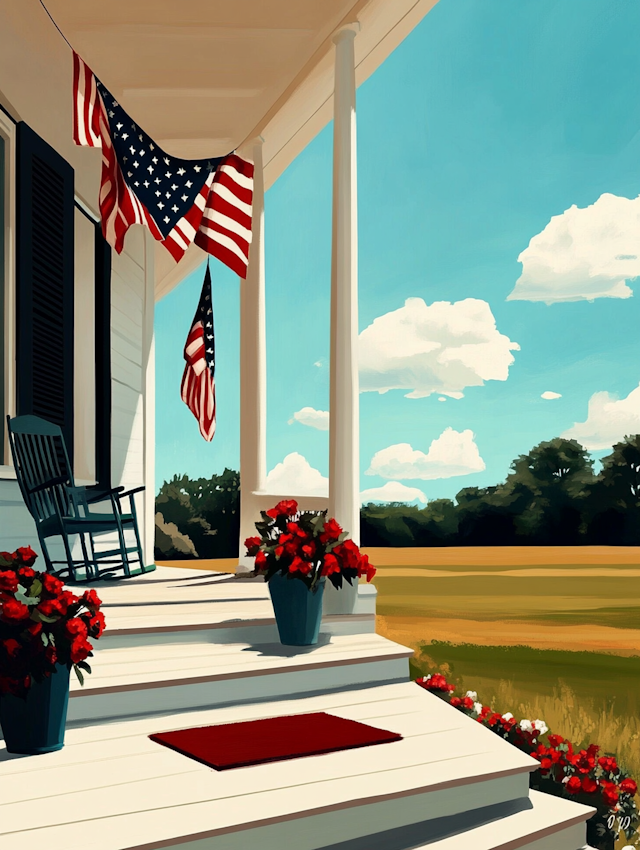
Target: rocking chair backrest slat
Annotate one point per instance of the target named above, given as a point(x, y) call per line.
point(39, 456)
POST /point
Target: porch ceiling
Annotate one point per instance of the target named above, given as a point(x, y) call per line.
point(203, 77)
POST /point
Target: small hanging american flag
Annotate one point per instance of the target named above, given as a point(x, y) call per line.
point(198, 388)
point(206, 201)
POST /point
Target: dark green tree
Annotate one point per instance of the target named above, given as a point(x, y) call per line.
point(613, 512)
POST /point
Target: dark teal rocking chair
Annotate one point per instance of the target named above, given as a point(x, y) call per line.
point(60, 509)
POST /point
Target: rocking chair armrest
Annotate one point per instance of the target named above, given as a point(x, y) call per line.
point(131, 492)
point(103, 495)
point(61, 479)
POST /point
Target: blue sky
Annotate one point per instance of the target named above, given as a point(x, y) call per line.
point(488, 121)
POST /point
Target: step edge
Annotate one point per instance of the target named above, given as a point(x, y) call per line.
point(334, 807)
point(231, 624)
point(222, 677)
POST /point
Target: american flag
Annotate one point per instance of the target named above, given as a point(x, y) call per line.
point(206, 201)
point(198, 388)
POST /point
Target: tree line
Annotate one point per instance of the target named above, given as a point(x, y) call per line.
point(551, 497)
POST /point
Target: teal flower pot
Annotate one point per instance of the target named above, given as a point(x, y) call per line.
point(298, 610)
point(36, 724)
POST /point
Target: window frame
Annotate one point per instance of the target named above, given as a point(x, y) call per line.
point(8, 132)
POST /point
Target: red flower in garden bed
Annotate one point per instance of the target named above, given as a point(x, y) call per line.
point(306, 545)
point(564, 769)
point(41, 624)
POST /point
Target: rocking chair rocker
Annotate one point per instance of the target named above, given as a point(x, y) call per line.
point(61, 509)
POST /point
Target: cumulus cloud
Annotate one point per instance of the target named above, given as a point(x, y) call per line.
point(393, 491)
point(442, 348)
point(583, 254)
point(452, 453)
point(550, 395)
point(313, 418)
point(609, 420)
point(296, 477)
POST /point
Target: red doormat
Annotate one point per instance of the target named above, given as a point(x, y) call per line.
point(274, 739)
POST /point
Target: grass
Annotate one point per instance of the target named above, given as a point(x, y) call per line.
point(590, 696)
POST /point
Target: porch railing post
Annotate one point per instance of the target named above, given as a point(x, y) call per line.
point(253, 368)
point(344, 448)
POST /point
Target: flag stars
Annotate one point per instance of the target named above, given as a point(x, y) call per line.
point(173, 187)
point(174, 208)
point(160, 205)
point(188, 184)
point(157, 180)
point(152, 147)
point(168, 174)
point(167, 194)
point(118, 125)
point(112, 115)
point(136, 164)
point(146, 184)
point(166, 219)
point(141, 137)
point(184, 198)
point(197, 169)
point(150, 170)
point(132, 149)
point(166, 160)
point(125, 136)
point(158, 193)
point(155, 158)
point(181, 171)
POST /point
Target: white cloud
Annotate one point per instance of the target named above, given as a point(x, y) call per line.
point(452, 453)
point(442, 348)
point(583, 254)
point(550, 395)
point(442, 398)
point(393, 491)
point(313, 418)
point(296, 477)
point(608, 421)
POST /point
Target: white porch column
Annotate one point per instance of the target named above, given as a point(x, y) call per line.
point(344, 448)
point(149, 402)
point(253, 369)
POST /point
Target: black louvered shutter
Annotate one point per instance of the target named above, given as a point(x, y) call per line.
point(45, 282)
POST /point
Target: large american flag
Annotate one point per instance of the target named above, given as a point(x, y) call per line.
point(206, 201)
point(198, 389)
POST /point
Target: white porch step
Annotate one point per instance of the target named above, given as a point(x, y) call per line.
point(136, 680)
point(177, 605)
point(125, 792)
point(546, 823)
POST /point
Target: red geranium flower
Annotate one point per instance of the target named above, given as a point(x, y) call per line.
point(331, 532)
point(574, 785)
point(52, 584)
point(76, 627)
point(12, 610)
point(589, 785)
point(80, 649)
point(26, 556)
point(628, 786)
point(11, 646)
point(26, 573)
point(252, 544)
point(609, 764)
point(556, 740)
point(8, 582)
point(96, 624)
point(91, 599)
point(261, 560)
point(330, 565)
point(365, 568)
point(610, 793)
point(287, 507)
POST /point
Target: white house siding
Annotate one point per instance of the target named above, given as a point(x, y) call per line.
point(36, 86)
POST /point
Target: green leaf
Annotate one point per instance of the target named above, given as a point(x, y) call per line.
point(84, 666)
point(36, 588)
point(76, 667)
point(45, 639)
